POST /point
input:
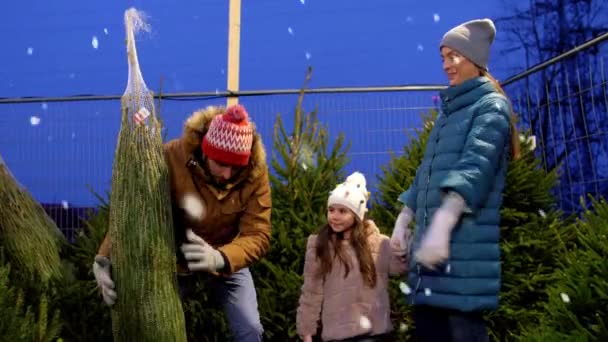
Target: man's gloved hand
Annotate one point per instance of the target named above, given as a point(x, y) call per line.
point(200, 255)
point(401, 237)
point(101, 270)
point(435, 246)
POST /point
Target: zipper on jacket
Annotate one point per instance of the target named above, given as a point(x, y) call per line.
point(418, 282)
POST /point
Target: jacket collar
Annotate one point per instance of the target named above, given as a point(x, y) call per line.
point(455, 97)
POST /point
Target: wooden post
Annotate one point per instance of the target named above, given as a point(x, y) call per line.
point(234, 42)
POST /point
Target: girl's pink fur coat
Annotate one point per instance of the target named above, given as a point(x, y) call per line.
point(347, 306)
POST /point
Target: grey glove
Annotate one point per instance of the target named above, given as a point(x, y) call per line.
point(435, 245)
point(401, 237)
point(200, 255)
point(101, 270)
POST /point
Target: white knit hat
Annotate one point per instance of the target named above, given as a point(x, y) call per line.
point(351, 194)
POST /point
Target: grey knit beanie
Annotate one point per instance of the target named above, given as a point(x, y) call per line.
point(472, 39)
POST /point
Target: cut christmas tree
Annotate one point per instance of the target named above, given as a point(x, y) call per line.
point(30, 238)
point(148, 307)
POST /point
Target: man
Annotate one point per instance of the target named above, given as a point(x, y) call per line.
point(221, 205)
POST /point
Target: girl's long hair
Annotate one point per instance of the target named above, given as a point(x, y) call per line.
point(330, 248)
point(515, 143)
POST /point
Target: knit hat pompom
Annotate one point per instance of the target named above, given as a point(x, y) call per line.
point(357, 179)
point(235, 114)
point(351, 194)
point(229, 138)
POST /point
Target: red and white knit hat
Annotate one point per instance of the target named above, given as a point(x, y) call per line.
point(229, 137)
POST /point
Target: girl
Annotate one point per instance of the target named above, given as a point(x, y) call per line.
point(457, 194)
point(346, 272)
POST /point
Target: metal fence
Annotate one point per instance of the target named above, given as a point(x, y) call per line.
point(564, 103)
point(61, 149)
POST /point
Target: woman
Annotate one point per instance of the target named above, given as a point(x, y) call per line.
point(456, 196)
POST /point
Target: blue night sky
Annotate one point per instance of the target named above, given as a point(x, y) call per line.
point(48, 50)
point(66, 47)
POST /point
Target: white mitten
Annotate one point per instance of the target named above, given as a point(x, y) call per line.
point(101, 270)
point(200, 255)
point(435, 246)
point(400, 239)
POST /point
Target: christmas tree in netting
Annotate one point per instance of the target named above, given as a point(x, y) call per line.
point(148, 307)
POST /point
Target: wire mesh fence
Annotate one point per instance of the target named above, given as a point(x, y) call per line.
point(62, 150)
point(565, 107)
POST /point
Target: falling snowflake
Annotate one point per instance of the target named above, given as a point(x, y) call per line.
point(50, 138)
point(402, 327)
point(542, 213)
point(420, 47)
point(65, 204)
point(308, 55)
point(404, 288)
point(223, 71)
point(44, 106)
point(95, 42)
point(565, 297)
point(105, 30)
point(448, 268)
point(72, 75)
point(217, 91)
point(365, 323)
point(303, 2)
point(427, 292)
point(73, 135)
point(30, 51)
point(34, 120)
point(193, 206)
point(409, 19)
point(306, 156)
point(436, 18)
point(290, 30)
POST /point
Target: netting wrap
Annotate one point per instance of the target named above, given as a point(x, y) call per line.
point(148, 307)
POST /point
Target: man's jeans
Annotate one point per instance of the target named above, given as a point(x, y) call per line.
point(236, 293)
point(436, 324)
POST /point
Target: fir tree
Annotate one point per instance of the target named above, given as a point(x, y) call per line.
point(20, 321)
point(396, 177)
point(305, 169)
point(535, 236)
point(577, 305)
point(85, 316)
